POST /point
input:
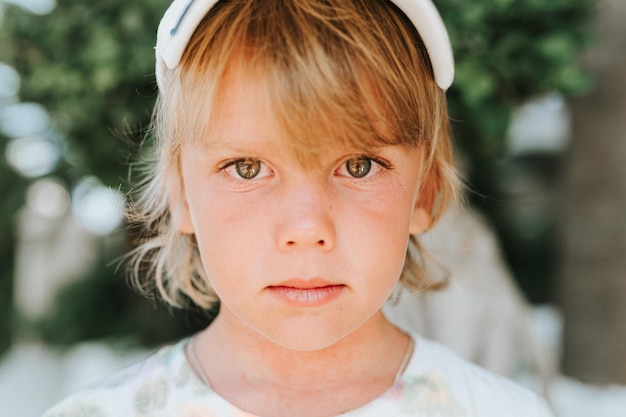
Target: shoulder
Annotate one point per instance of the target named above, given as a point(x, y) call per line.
point(466, 389)
point(134, 390)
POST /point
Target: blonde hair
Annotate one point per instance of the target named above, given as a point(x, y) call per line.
point(341, 66)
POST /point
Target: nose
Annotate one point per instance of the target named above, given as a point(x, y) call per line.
point(305, 218)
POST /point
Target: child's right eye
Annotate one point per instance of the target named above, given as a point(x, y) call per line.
point(247, 169)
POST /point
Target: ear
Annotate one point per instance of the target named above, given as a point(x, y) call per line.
point(422, 218)
point(181, 218)
point(178, 206)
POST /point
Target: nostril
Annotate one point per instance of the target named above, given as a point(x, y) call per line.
point(321, 242)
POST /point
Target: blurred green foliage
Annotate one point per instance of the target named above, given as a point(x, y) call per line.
point(508, 51)
point(91, 65)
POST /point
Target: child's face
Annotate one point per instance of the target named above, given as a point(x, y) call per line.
point(302, 256)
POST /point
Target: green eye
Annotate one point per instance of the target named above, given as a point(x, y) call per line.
point(248, 168)
point(358, 167)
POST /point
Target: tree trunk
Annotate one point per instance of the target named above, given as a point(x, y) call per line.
point(592, 286)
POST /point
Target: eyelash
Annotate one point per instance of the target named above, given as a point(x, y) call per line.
point(383, 163)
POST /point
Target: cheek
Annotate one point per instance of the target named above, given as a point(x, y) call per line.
point(227, 230)
point(380, 225)
point(215, 212)
point(389, 211)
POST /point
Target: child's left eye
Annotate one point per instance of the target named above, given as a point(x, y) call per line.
point(358, 167)
point(361, 167)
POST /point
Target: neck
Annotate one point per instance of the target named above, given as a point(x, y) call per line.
point(231, 353)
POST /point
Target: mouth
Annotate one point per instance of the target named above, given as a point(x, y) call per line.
point(307, 293)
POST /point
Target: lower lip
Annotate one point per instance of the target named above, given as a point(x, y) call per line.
point(307, 297)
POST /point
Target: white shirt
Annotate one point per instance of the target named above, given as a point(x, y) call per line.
point(436, 383)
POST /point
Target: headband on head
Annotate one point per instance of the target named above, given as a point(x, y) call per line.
point(183, 17)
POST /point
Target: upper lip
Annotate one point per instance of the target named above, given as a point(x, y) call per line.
point(306, 283)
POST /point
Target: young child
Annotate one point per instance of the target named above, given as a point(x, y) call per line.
point(302, 146)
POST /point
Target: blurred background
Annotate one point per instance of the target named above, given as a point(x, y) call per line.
point(539, 118)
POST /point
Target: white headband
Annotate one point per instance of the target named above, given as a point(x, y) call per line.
point(183, 17)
